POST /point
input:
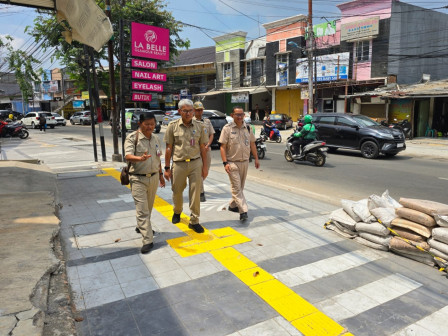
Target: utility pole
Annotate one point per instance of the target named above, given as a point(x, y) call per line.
point(92, 114)
point(114, 115)
point(122, 95)
point(310, 57)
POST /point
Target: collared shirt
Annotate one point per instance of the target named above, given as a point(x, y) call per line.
point(144, 144)
point(207, 125)
point(237, 141)
point(186, 140)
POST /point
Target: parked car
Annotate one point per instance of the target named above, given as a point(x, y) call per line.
point(82, 117)
point(354, 131)
point(170, 116)
point(282, 121)
point(4, 114)
point(59, 119)
point(218, 122)
point(134, 119)
point(32, 119)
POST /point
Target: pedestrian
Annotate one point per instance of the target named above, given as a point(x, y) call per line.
point(237, 141)
point(261, 114)
point(185, 140)
point(42, 122)
point(210, 131)
point(255, 115)
point(143, 151)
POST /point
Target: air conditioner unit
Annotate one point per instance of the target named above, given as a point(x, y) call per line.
point(246, 82)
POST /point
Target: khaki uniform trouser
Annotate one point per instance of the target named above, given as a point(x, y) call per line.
point(143, 191)
point(193, 171)
point(237, 176)
point(209, 162)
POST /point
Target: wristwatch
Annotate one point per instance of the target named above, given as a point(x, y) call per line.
point(167, 168)
point(225, 163)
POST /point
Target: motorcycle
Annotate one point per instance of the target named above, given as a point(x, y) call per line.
point(14, 129)
point(314, 152)
point(404, 125)
point(261, 148)
point(275, 137)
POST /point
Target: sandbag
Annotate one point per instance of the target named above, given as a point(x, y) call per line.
point(441, 220)
point(384, 215)
point(344, 229)
point(428, 207)
point(375, 239)
point(424, 258)
point(361, 209)
point(442, 247)
point(393, 203)
point(370, 244)
point(374, 228)
point(341, 230)
point(375, 201)
point(400, 245)
point(347, 205)
point(343, 218)
point(440, 234)
point(418, 228)
point(416, 216)
point(408, 234)
point(438, 253)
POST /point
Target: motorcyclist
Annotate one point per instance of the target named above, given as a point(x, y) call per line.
point(268, 127)
point(305, 136)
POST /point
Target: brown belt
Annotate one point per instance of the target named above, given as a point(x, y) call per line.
point(147, 175)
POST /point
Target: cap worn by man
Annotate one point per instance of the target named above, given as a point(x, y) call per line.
point(198, 106)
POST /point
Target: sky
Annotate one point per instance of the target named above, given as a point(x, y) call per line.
point(211, 17)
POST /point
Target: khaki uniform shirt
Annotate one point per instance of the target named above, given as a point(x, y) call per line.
point(186, 140)
point(237, 141)
point(144, 144)
point(207, 125)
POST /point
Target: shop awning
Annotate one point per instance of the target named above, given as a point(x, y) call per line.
point(5, 100)
point(250, 90)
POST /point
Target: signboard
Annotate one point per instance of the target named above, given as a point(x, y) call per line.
point(144, 97)
point(150, 42)
point(240, 97)
point(141, 86)
point(227, 77)
point(78, 104)
point(304, 94)
point(54, 87)
point(148, 75)
point(282, 74)
point(360, 29)
point(329, 68)
point(175, 97)
point(144, 64)
point(323, 29)
point(45, 86)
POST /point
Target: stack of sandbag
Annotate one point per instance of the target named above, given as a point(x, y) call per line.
point(430, 220)
point(341, 223)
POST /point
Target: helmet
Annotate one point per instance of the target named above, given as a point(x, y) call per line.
point(308, 119)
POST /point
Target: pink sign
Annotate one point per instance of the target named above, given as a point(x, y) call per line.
point(150, 42)
point(147, 86)
point(137, 63)
point(141, 97)
point(148, 75)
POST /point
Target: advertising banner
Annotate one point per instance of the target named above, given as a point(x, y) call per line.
point(144, 64)
point(150, 42)
point(360, 29)
point(78, 104)
point(54, 87)
point(323, 29)
point(85, 95)
point(148, 75)
point(240, 97)
point(147, 86)
point(144, 97)
point(329, 68)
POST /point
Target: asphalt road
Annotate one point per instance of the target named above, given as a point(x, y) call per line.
point(345, 175)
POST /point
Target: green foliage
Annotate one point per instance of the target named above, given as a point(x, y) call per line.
point(48, 32)
point(23, 65)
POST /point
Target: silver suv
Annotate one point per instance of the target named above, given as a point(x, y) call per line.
point(82, 118)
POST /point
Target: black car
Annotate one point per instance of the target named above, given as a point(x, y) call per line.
point(281, 121)
point(4, 114)
point(354, 131)
point(218, 122)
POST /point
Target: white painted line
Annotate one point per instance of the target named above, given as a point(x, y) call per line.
point(429, 325)
point(443, 178)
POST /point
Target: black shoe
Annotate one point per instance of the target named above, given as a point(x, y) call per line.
point(146, 248)
point(175, 219)
point(138, 231)
point(243, 216)
point(203, 197)
point(196, 228)
point(235, 209)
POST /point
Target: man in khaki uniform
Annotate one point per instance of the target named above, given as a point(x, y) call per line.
point(145, 174)
point(198, 110)
point(185, 143)
point(237, 141)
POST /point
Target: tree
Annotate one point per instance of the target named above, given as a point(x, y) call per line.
point(23, 66)
point(49, 33)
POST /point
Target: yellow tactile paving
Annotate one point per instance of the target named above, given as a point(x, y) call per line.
point(299, 312)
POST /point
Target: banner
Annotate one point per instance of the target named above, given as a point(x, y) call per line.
point(148, 75)
point(360, 29)
point(141, 86)
point(144, 97)
point(150, 42)
point(329, 68)
point(136, 63)
point(240, 97)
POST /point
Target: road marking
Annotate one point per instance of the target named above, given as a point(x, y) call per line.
point(443, 178)
point(300, 313)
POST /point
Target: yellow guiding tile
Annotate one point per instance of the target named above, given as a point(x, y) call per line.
point(300, 313)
